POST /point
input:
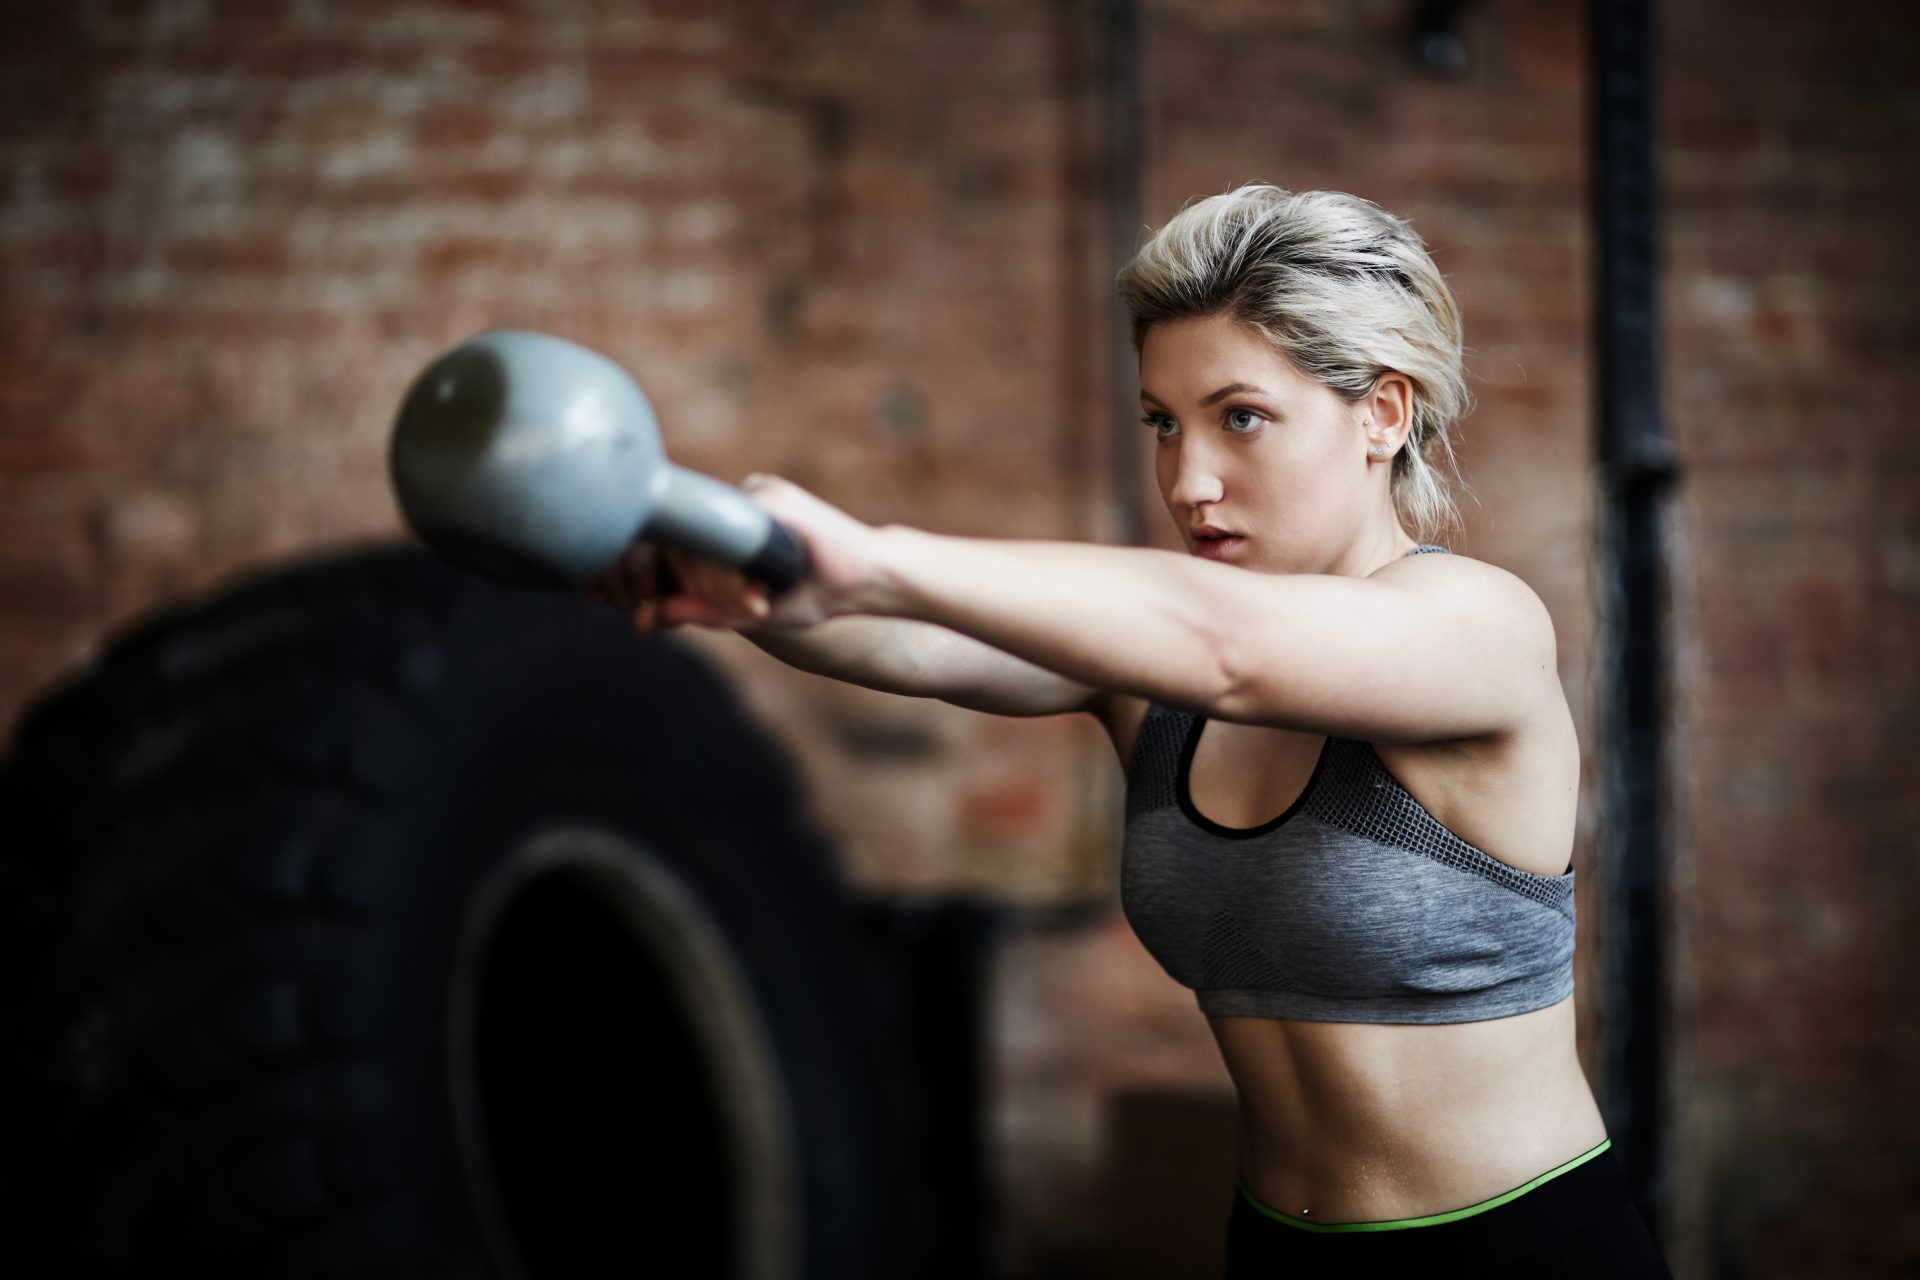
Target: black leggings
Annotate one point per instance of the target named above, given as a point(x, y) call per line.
point(1575, 1225)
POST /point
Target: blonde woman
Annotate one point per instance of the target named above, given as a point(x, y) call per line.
point(1351, 769)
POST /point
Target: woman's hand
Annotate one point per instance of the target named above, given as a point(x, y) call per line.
point(663, 586)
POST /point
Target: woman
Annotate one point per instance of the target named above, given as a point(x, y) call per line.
point(1352, 773)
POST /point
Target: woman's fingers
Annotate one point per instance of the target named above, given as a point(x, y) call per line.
point(667, 586)
point(711, 594)
point(677, 589)
point(640, 567)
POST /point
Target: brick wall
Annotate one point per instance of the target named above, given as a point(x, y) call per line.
point(1790, 318)
point(859, 245)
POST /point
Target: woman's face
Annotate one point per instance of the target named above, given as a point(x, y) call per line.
point(1246, 443)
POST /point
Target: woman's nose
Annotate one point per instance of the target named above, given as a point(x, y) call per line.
point(1195, 479)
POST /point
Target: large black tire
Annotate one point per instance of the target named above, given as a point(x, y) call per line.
point(373, 920)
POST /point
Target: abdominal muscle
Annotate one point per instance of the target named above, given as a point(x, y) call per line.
point(1360, 1122)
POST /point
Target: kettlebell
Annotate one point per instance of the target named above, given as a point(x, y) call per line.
point(536, 462)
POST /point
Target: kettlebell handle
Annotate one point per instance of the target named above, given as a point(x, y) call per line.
point(720, 521)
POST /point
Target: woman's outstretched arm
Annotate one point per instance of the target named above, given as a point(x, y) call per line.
point(1427, 648)
point(659, 585)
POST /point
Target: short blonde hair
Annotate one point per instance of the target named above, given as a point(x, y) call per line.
point(1342, 288)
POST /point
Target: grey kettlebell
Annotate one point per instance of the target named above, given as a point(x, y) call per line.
point(535, 461)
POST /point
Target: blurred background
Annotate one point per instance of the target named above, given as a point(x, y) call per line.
point(869, 246)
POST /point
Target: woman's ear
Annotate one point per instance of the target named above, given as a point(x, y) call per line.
point(1390, 406)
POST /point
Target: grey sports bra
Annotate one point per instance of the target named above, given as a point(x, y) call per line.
point(1354, 905)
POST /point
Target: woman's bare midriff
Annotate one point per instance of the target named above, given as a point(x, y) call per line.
point(1357, 1122)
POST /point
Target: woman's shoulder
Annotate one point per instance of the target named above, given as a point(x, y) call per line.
point(1459, 581)
point(1512, 795)
point(1430, 562)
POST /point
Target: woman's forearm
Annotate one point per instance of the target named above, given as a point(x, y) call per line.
point(924, 660)
point(876, 653)
point(1146, 621)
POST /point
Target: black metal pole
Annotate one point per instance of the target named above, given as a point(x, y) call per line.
point(1637, 469)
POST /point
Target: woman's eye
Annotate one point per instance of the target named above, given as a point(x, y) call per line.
point(1234, 416)
point(1156, 420)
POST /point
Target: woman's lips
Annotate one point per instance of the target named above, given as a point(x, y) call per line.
point(1217, 548)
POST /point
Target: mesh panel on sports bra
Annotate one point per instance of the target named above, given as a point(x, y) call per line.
point(1358, 794)
point(1152, 781)
point(1230, 959)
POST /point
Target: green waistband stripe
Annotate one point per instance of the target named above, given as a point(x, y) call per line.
point(1430, 1220)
